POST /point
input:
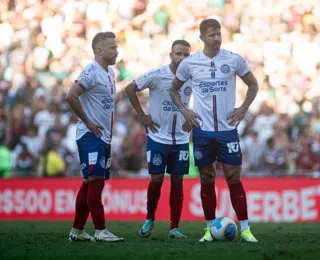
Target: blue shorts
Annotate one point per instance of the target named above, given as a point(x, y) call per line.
point(174, 157)
point(209, 147)
point(94, 156)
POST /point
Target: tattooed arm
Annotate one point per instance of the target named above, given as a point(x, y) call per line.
point(238, 114)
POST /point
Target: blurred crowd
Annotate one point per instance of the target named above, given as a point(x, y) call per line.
point(45, 44)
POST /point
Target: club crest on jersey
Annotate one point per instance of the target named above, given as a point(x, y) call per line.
point(187, 91)
point(197, 154)
point(225, 68)
point(157, 160)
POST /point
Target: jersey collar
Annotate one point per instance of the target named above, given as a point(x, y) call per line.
point(208, 58)
point(169, 70)
point(100, 67)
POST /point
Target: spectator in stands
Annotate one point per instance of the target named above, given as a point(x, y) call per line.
point(44, 44)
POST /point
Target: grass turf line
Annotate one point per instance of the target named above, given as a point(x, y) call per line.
point(49, 240)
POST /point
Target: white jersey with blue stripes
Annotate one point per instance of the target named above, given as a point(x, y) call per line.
point(162, 110)
point(213, 83)
point(98, 100)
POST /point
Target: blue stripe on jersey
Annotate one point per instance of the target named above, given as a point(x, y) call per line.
point(214, 112)
point(173, 131)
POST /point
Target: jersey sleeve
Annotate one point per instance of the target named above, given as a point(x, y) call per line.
point(86, 79)
point(147, 80)
point(183, 71)
point(242, 67)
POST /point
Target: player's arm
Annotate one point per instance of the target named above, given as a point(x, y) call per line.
point(188, 114)
point(72, 99)
point(146, 120)
point(238, 114)
point(250, 80)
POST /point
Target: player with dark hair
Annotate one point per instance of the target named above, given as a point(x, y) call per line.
point(215, 119)
point(167, 143)
point(92, 99)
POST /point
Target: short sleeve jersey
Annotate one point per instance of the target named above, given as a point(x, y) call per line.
point(163, 111)
point(98, 100)
point(213, 83)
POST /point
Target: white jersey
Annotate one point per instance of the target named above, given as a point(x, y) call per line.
point(98, 100)
point(214, 86)
point(162, 110)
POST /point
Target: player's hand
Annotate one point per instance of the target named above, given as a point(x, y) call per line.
point(191, 117)
point(236, 116)
point(187, 127)
point(147, 121)
point(95, 129)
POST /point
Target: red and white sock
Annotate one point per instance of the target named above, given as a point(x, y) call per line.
point(239, 203)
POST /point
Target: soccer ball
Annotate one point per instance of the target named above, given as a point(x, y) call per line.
point(223, 228)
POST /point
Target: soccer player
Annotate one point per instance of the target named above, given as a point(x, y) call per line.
point(92, 98)
point(215, 119)
point(167, 143)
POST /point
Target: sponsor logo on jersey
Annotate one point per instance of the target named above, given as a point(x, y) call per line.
point(225, 68)
point(107, 103)
point(168, 105)
point(213, 86)
point(213, 69)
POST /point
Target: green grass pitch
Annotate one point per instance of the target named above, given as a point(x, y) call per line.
point(49, 240)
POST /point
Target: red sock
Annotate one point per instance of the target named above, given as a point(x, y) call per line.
point(176, 199)
point(239, 200)
point(154, 190)
point(95, 204)
point(82, 210)
point(209, 200)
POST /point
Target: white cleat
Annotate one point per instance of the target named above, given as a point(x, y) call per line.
point(105, 235)
point(80, 235)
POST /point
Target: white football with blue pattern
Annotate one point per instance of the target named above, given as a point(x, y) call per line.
point(223, 228)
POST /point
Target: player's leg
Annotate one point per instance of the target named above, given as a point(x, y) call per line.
point(153, 195)
point(205, 150)
point(96, 170)
point(238, 199)
point(77, 232)
point(208, 197)
point(157, 164)
point(176, 202)
point(178, 165)
point(230, 156)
